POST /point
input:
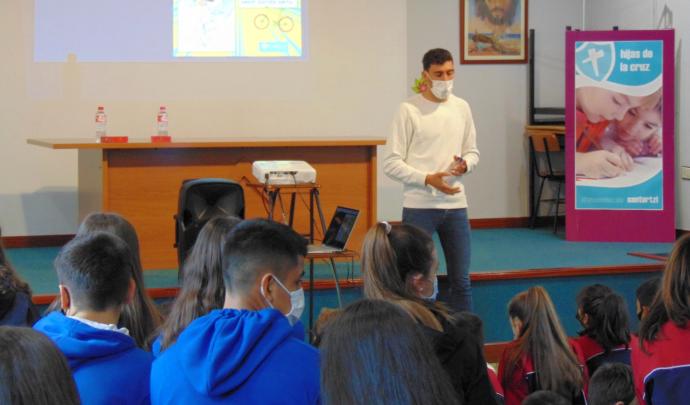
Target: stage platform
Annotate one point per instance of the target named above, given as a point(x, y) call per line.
point(504, 262)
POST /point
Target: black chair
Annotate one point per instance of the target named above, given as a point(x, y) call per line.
point(200, 201)
point(547, 161)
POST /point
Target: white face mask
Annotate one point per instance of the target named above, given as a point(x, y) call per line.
point(296, 302)
point(434, 295)
point(441, 88)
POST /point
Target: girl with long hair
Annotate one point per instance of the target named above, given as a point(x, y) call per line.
point(202, 287)
point(141, 316)
point(605, 337)
point(32, 370)
point(399, 266)
point(661, 360)
point(374, 353)
point(540, 357)
point(16, 307)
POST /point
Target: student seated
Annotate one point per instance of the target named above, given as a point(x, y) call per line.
point(644, 296)
point(95, 275)
point(399, 265)
point(661, 360)
point(32, 370)
point(540, 357)
point(16, 307)
point(246, 352)
point(374, 353)
point(612, 384)
point(202, 288)
point(605, 337)
point(543, 397)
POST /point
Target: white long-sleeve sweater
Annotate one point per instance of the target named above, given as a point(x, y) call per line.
point(424, 138)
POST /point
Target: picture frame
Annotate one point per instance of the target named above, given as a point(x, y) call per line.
point(493, 31)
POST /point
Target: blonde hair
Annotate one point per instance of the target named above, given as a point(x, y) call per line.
point(391, 254)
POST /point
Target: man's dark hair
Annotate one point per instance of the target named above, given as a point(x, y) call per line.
point(437, 56)
point(97, 269)
point(257, 247)
point(612, 382)
point(544, 397)
point(646, 292)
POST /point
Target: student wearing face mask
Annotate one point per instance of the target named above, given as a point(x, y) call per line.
point(246, 352)
point(432, 145)
point(399, 266)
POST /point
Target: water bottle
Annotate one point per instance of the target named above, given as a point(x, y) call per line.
point(101, 121)
point(162, 121)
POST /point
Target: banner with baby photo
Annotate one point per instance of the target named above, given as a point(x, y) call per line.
point(619, 136)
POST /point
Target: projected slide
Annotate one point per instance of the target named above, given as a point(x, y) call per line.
point(244, 28)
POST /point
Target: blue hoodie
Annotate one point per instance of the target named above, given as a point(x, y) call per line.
point(108, 367)
point(237, 356)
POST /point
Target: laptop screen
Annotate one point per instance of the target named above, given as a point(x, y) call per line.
point(341, 227)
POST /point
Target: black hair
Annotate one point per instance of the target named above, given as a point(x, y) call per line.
point(436, 56)
point(97, 269)
point(612, 382)
point(608, 319)
point(543, 397)
point(646, 292)
point(11, 285)
point(33, 370)
point(202, 288)
point(259, 246)
point(374, 353)
point(141, 316)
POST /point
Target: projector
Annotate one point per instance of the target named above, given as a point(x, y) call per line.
point(283, 172)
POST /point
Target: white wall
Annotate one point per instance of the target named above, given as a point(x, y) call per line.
point(350, 85)
point(497, 94)
point(646, 14)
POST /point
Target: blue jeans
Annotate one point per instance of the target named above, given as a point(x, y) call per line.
point(453, 229)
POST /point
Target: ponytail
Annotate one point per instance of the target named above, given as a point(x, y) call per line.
point(391, 254)
point(542, 339)
point(608, 319)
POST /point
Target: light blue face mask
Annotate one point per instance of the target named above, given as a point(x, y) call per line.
point(296, 302)
point(434, 295)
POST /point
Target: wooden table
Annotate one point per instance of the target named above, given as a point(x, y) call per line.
point(558, 130)
point(141, 180)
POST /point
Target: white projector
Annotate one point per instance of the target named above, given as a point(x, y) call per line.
point(283, 172)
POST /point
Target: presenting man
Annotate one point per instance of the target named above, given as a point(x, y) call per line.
point(433, 144)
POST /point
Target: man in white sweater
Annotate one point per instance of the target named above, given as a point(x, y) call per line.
point(432, 145)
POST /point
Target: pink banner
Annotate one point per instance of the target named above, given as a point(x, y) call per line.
point(619, 136)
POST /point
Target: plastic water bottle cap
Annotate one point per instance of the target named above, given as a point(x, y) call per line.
point(100, 108)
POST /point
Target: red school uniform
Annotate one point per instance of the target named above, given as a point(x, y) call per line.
point(662, 374)
point(518, 387)
point(595, 355)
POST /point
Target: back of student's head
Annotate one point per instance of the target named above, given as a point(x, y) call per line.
point(646, 292)
point(542, 338)
point(202, 288)
point(141, 316)
point(33, 370)
point(374, 353)
point(391, 255)
point(257, 247)
point(604, 315)
point(10, 282)
point(672, 303)
point(612, 383)
point(96, 269)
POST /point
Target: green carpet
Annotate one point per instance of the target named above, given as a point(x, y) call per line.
point(492, 250)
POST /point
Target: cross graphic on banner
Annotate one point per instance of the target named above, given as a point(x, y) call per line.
point(594, 56)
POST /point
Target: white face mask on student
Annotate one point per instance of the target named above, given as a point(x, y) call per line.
point(434, 294)
point(441, 88)
point(296, 302)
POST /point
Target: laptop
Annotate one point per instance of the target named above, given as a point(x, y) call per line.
point(338, 232)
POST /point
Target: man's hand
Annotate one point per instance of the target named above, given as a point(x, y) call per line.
point(458, 167)
point(436, 181)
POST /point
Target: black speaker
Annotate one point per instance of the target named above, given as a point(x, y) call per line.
point(200, 201)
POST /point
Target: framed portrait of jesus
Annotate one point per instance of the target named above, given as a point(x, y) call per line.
point(493, 31)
